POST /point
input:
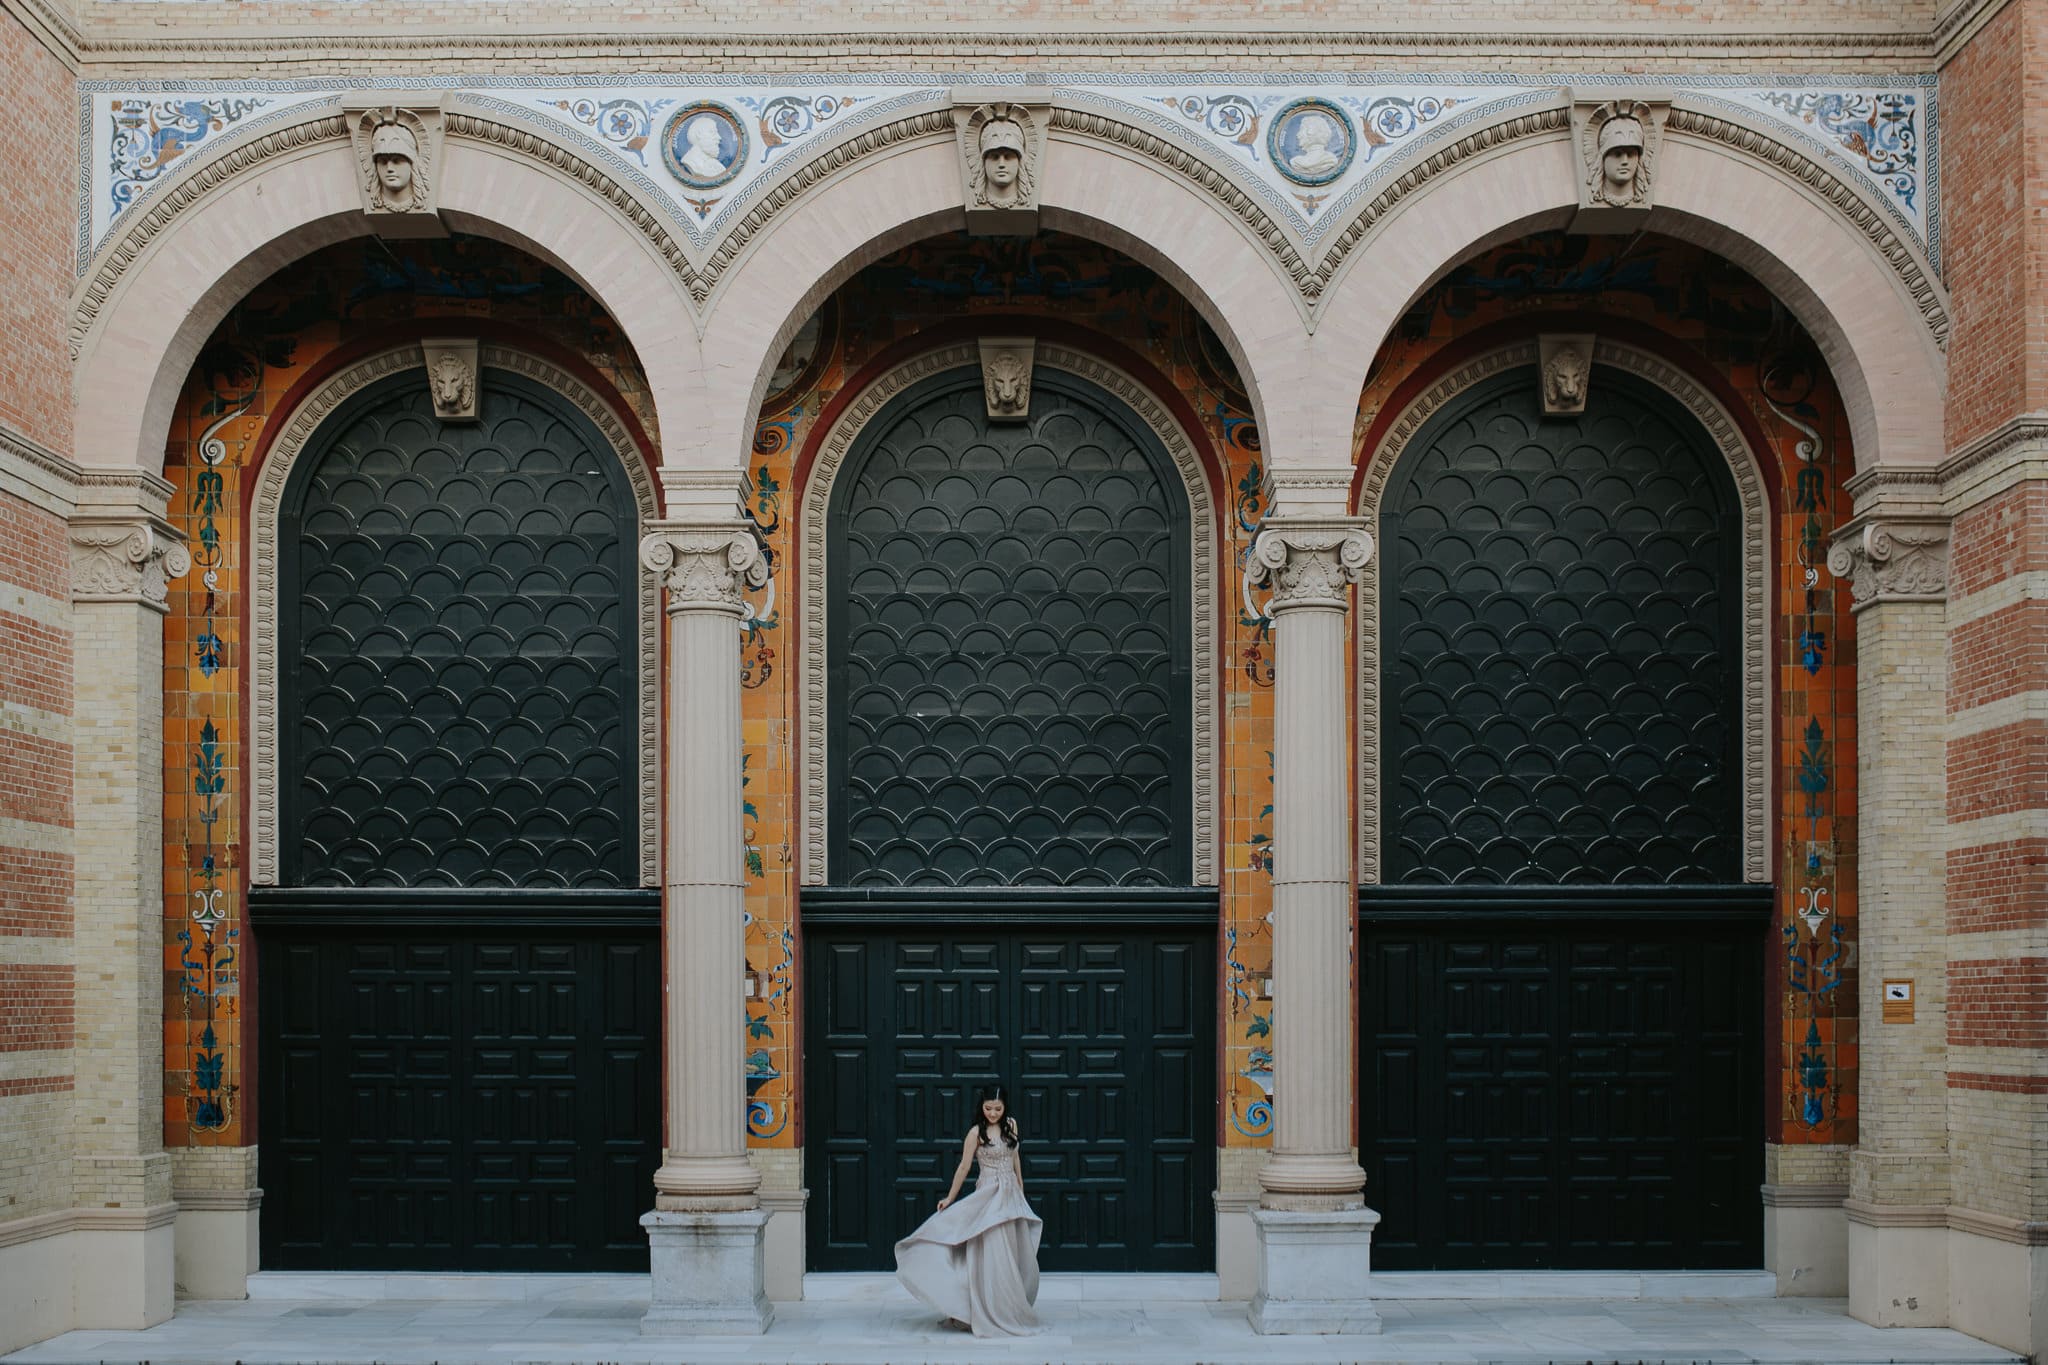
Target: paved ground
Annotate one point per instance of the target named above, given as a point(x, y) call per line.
point(872, 1323)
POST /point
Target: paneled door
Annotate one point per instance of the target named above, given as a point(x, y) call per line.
point(1011, 831)
point(1106, 1042)
point(1561, 973)
point(458, 974)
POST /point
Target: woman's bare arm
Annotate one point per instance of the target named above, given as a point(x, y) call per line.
point(960, 1173)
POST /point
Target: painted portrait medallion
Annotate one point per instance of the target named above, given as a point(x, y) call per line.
point(1311, 142)
point(705, 145)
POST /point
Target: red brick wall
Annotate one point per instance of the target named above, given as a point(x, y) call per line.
point(1999, 655)
point(2001, 885)
point(1998, 1002)
point(1997, 771)
point(38, 125)
point(1994, 192)
point(1998, 538)
point(36, 1007)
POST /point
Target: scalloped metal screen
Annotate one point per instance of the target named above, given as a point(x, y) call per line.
point(1562, 686)
point(1009, 668)
point(460, 649)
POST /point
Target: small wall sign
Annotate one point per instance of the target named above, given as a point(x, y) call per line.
point(1898, 1001)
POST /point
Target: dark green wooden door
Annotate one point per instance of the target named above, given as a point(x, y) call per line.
point(459, 976)
point(1105, 1038)
point(1011, 832)
point(1562, 975)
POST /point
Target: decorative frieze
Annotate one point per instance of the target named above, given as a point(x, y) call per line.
point(1309, 563)
point(1894, 560)
point(706, 568)
point(131, 560)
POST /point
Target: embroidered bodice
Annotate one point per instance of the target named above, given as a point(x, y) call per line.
point(996, 1161)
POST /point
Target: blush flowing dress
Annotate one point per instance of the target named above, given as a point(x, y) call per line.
point(977, 1259)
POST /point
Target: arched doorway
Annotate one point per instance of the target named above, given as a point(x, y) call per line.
point(1011, 829)
point(1561, 965)
point(459, 980)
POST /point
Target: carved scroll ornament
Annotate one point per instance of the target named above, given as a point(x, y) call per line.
point(125, 561)
point(1893, 561)
point(1309, 563)
point(707, 568)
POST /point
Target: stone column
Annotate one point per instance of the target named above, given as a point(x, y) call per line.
point(706, 1228)
point(1896, 562)
point(123, 554)
point(1314, 1231)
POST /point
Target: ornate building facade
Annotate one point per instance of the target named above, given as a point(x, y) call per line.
point(1431, 642)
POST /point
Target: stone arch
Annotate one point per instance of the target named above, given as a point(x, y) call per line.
point(1866, 296)
point(912, 191)
point(159, 287)
point(295, 434)
point(1727, 437)
point(813, 703)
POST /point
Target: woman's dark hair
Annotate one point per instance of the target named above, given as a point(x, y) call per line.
point(1009, 1128)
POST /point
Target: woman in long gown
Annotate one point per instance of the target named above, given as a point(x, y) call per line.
point(976, 1260)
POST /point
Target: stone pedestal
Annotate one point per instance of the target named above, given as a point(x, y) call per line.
point(707, 1274)
point(1315, 1272)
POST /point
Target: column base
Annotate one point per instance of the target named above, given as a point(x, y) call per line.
point(1315, 1273)
point(1806, 1240)
point(1898, 1264)
point(707, 1274)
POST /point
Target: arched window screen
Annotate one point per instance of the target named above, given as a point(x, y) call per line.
point(1008, 631)
point(1560, 629)
point(458, 645)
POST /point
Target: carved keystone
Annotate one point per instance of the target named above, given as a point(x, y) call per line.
point(1566, 363)
point(1618, 140)
point(398, 162)
point(453, 377)
point(1006, 376)
point(1002, 159)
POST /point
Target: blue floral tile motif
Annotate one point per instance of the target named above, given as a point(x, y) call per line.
point(1884, 135)
point(1879, 128)
point(150, 134)
point(622, 123)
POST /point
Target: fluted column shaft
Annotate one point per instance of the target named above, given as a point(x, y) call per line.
point(1310, 566)
point(705, 570)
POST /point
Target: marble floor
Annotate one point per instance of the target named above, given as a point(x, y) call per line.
point(855, 1320)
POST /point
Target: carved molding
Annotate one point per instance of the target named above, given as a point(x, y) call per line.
point(266, 506)
point(1006, 376)
point(706, 568)
point(1893, 559)
point(1309, 562)
point(126, 559)
point(813, 699)
point(1755, 718)
point(701, 281)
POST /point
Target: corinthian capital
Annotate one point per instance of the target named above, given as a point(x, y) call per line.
point(125, 561)
point(1309, 562)
point(1893, 561)
point(707, 568)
